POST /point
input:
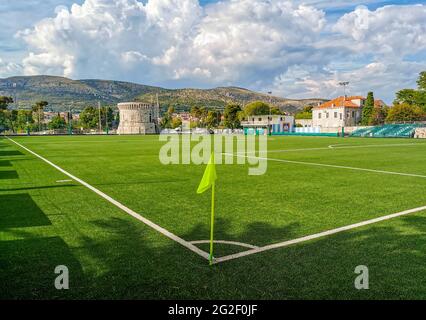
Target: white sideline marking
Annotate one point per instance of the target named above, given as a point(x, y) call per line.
point(233, 243)
point(317, 235)
point(330, 166)
point(284, 150)
point(344, 146)
point(63, 181)
point(121, 206)
point(337, 146)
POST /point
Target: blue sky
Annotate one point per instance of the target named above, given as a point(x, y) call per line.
point(305, 50)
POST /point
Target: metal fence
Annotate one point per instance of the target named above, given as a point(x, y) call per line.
point(60, 132)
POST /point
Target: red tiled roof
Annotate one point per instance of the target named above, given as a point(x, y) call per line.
point(342, 102)
point(347, 102)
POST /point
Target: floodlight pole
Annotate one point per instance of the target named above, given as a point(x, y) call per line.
point(344, 85)
point(100, 123)
point(15, 99)
point(39, 125)
point(70, 118)
point(15, 95)
point(270, 113)
point(106, 120)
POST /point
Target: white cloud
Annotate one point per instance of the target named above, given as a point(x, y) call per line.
point(392, 31)
point(48, 64)
point(384, 78)
point(228, 42)
point(335, 4)
point(282, 45)
point(9, 68)
point(241, 40)
point(377, 43)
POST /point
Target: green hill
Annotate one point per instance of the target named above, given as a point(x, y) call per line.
point(61, 93)
point(182, 99)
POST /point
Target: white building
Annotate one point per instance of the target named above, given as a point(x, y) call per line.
point(259, 124)
point(340, 112)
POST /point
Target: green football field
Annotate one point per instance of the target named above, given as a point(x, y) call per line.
point(312, 185)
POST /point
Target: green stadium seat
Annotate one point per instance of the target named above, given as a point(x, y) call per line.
point(388, 131)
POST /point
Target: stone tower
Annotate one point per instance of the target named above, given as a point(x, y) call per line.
point(138, 118)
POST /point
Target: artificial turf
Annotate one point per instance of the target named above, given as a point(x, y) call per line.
point(45, 223)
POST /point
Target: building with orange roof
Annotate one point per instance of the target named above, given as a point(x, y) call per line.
point(341, 112)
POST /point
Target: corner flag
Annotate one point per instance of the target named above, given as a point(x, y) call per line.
point(209, 176)
point(207, 182)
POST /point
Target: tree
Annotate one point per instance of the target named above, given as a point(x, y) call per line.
point(89, 118)
point(107, 115)
point(171, 110)
point(408, 96)
point(378, 116)
point(212, 119)
point(204, 112)
point(405, 112)
point(57, 122)
point(200, 114)
point(306, 113)
point(11, 117)
point(275, 110)
point(4, 113)
point(176, 122)
point(231, 116)
point(4, 102)
point(195, 112)
point(303, 115)
point(368, 109)
point(414, 97)
point(38, 109)
point(24, 119)
point(421, 82)
point(256, 108)
point(116, 120)
point(166, 121)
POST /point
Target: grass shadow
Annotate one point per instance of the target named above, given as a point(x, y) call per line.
point(38, 188)
point(124, 259)
point(27, 269)
point(5, 163)
point(20, 211)
point(320, 269)
point(8, 175)
point(6, 153)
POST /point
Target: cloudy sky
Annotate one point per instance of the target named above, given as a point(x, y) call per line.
point(296, 49)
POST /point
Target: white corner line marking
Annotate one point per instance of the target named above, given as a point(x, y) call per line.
point(317, 235)
point(232, 243)
point(149, 223)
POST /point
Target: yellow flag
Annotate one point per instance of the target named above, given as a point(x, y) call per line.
point(208, 181)
point(209, 176)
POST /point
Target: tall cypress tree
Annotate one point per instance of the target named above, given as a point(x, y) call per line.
point(368, 109)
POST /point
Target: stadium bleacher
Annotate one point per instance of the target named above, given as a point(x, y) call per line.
point(388, 131)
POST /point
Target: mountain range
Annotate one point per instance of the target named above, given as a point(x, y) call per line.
point(63, 93)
